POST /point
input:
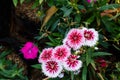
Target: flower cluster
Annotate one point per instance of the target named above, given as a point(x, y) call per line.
point(55, 60)
point(81, 37)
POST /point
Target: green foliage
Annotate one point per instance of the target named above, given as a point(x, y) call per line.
point(75, 14)
point(110, 6)
point(37, 66)
point(15, 2)
point(55, 39)
point(8, 70)
point(114, 72)
point(100, 54)
point(84, 72)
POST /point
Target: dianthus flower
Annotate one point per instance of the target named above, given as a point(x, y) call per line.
point(72, 64)
point(52, 68)
point(74, 39)
point(91, 37)
point(89, 1)
point(61, 53)
point(29, 50)
point(102, 62)
point(46, 55)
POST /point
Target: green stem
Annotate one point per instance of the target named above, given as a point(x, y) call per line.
point(72, 75)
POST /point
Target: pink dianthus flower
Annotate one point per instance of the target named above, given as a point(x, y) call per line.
point(89, 1)
point(29, 50)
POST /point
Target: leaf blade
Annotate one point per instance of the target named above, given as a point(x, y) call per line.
point(101, 54)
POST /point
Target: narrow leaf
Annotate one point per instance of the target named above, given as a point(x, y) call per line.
point(84, 73)
point(21, 1)
point(54, 25)
point(91, 19)
point(101, 54)
point(4, 53)
point(15, 2)
point(51, 39)
point(37, 66)
point(72, 75)
point(36, 3)
point(67, 13)
point(40, 1)
point(88, 56)
point(110, 6)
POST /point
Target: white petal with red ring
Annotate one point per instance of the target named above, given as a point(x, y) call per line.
point(91, 37)
point(72, 64)
point(74, 38)
point(52, 68)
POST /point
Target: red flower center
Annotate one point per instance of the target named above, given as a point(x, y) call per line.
point(52, 66)
point(72, 62)
point(60, 53)
point(75, 37)
point(88, 35)
point(30, 49)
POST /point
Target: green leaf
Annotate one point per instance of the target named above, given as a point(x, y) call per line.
point(84, 73)
point(40, 1)
point(15, 2)
point(109, 6)
point(88, 56)
point(91, 19)
point(4, 53)
point(109, 25)
point(37, 66)
point(72, 75)
point(50, 44)
point(54, 79)
point(54, 25)
point(81, 7)
point(36, 3)
point(21, 1)
point(77, 18)
point(57, 34)
point(101, 54)
point(67, 13)
point(51, 39)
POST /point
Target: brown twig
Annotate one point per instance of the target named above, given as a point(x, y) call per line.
point(97, 73)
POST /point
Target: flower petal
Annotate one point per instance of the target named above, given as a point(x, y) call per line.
point(46, 55)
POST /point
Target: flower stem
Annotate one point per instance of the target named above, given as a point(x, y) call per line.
point(72, 75)
point(97, 73)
